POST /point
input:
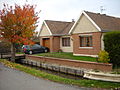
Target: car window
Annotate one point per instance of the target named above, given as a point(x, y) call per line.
point(36, 46)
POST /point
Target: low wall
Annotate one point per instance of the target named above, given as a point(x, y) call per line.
point(72, 63)
point(54, 67)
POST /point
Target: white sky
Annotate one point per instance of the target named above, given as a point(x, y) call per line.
point(66, 10)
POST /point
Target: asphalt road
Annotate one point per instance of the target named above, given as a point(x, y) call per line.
point(11, 79)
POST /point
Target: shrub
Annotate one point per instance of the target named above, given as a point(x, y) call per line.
point(18, 47)
point(4, 47)
point(112, 46)
point(103, 56)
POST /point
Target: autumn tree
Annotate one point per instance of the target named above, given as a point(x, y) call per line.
point(18, 24)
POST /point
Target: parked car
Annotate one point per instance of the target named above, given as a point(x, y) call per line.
point(31, 49)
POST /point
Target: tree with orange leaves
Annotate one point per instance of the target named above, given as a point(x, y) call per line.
point(17, 25)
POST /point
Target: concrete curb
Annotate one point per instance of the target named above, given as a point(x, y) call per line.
point(102, 76)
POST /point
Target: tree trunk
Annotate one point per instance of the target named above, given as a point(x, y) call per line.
point(13, 52)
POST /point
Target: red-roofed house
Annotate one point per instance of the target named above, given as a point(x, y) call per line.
point(84, 37)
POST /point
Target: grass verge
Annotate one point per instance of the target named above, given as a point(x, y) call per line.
point(20, 53)
point(83, 83)
point(68, 56)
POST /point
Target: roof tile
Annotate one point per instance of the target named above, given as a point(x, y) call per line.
point(106, 23)
point(59, 27)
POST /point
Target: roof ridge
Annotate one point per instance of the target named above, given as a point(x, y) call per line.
point(103, 14)
point(58, 21)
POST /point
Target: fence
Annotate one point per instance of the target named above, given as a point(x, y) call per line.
point(8, 56)
point(5, 55)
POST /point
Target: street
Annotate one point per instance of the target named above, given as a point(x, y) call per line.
point(11, 79)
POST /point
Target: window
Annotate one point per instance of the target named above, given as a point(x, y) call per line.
point(36, 46)
point(86, 41)
point(66, 41)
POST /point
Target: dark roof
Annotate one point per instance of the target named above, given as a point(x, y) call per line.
point(59, 27)
point(106, 23)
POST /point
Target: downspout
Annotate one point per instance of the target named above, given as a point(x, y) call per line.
point(102, 42)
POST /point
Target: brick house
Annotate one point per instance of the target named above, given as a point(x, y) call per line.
point(84, 37)
point(55, 35)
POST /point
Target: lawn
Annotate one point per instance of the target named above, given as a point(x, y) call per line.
point(68, 56)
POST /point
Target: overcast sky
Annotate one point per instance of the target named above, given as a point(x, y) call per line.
point(66, 10)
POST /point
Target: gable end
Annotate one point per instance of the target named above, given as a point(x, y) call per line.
point(45, 31)
point(88, 19)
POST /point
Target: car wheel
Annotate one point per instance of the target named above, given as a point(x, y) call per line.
point(46, 50)
point(30, 52)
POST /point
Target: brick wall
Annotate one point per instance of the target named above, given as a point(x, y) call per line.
point(54, 42)
point(96, 37)
point(73, 63)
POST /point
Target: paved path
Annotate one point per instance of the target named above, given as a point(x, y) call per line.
point(11, 79)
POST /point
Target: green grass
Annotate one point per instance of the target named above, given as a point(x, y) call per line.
point(68, 56)
point(83, 83)
point(20, 53)
point(115, 72)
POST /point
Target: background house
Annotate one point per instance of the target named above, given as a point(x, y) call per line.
point(54, 35)
point(84, 37)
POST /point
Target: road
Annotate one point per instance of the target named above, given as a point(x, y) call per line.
point(11, 79)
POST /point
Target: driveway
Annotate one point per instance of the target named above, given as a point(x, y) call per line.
point(11, 79)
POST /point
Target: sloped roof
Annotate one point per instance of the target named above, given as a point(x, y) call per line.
point(105, 22)
point(59, 27)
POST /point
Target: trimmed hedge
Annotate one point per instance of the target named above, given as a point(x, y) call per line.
point(112, 46)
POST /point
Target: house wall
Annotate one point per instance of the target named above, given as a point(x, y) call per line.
point(66, 49)
point(54, 42)
point(102, 42)
point(84, 25)
point(44, 31)
point(87, 51)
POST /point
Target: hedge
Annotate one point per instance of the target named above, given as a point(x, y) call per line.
point(112, 46)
